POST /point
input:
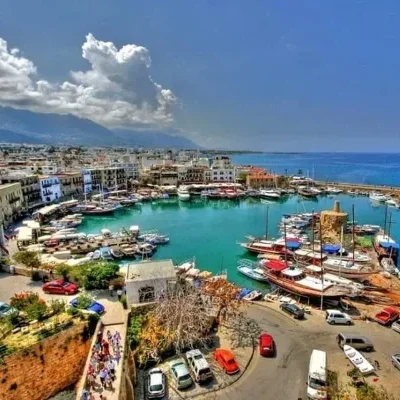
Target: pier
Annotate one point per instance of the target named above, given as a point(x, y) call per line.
point(361, 187)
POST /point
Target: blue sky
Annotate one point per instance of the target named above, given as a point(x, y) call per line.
point(269, 75)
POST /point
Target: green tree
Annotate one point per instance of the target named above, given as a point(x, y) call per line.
point(300, 172)
point(84, 301)
point(29, 258)
point(98, 275)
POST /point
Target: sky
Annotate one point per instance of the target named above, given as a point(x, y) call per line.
point(262, 75)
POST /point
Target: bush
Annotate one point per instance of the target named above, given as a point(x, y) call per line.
point(84, 301)
point(31, 304)
point(99, 275)
point(57, 306)
point(135, 328)
point(11, 320)
point(118, 283)
point(124, 302)
point(29, 258)
point(63, 270)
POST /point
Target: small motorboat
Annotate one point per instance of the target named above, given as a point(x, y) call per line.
point(116, 253)
point(145, 249)
point(253, 296)
point(358, 360)
point(252, 273)
point(388, 265)
point(96, 255)
point(105, 253)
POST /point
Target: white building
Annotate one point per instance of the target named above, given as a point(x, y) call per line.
point(87, 181)
point(222, 170)
point(149, 281)
point(46, 169)
point(50, 188)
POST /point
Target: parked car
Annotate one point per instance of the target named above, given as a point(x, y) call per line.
point(356, 341)
point(226, 360)
point(94, 307)
point(60, 286)
point(6, 309)
point(198, 365)
point(396, 326)
point(266, 345)
point(337, 317)
point(396, 360)
point(180, 374)
point(387, 316)
point(292, 309)
point(156, 384)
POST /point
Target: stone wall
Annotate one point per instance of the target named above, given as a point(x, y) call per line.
point(46, 368)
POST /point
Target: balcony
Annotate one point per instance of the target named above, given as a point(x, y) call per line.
point(46, 185)
point(14, 200)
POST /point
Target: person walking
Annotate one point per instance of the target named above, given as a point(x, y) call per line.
point(51, 274)
point(119, 294)
point(103, 374)
point(111, 289)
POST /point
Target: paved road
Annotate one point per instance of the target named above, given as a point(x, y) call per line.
point(284, 377)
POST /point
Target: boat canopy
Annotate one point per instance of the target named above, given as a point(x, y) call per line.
point(293, 245)
point(24, 234)
point(309, 253)
point(389, 245)
point(275, 265)
point(330, 248)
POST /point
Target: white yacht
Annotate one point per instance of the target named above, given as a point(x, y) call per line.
point(272, 194)
point(378, 197)
point(183, 193)
point(392, 203)
point(333, 190)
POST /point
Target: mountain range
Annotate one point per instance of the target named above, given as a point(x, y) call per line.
point(21, 126)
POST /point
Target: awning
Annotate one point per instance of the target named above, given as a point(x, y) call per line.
point(389, 245)
point(293, 244)
point(275, 265)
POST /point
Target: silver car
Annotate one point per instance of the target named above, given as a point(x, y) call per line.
point(396, 326)
point(396, 360)
point(180, 374)
point(156, 384)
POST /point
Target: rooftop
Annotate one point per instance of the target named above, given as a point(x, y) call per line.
point(146, 270)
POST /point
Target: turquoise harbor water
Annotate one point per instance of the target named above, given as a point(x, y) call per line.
point(210, 229)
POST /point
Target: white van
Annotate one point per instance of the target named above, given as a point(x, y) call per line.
point(337, 317)
point(317, 379)
point(199, 366)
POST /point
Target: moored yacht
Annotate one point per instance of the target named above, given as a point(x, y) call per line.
point(183, 193)
point(271, 194)
point(378, 197)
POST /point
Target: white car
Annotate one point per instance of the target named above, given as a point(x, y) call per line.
point(180, 374)
point(337, 317)
point(156, 384)
point(396, 326)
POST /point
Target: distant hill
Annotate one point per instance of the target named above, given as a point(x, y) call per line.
point(20, 126)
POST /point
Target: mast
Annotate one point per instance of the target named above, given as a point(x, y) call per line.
point(266, 224)
point(322, 264)
point(384, 224)
point(284, 232)
point(353, 233)
point(389, 225)
point(341, 250)
point(312, 231)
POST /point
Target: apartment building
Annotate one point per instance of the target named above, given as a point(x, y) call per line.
point(222, 170)
point(191, 174)
point(86, 181)
point(29, 185)
point(50, 188)
point(108, 177)
point(11, 200)
point(71, 183)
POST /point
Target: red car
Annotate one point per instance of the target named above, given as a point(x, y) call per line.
point(386, 316)
point(226, 360)
point(267, 345)
point(60, 286)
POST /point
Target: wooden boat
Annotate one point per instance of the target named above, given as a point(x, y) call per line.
point(358, 360)
point(295, 280)
point(253, 296)
point(347, 269)
point(253, 273)
point(388, 265)
point(385, 246)
point(128, 250)
point(307, 193)
point(267, 247)
point(116, 253)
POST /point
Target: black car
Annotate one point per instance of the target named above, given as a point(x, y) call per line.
point(293, 309)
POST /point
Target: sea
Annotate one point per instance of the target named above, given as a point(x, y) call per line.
point(210, 230)
point(366, 168)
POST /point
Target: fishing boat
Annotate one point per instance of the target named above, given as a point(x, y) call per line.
point(252, 296)
point(333, 190)
point(97, 210)
point(128, 250)
point(295, 280)
point(145, 249)
point(116, 253)
point(248, 270)
point(270, 194)
point(186, 265)
point(358, 360)
point(347, 269)
point(154, 238)
point(385, 246)
point(183, 193)
point(392, 203)
point(267, 247)
point(105, 253)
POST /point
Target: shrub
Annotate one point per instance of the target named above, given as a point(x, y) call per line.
point(99, 274)
point(135, 328)
point(29, 258)
point(11, 320)
point(84, 301)
point(118, 283)
point(31, 304)
point(63, 270)
point(57, 306)
point(124, 302)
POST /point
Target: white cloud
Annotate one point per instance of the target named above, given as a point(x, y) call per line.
point(117, 91)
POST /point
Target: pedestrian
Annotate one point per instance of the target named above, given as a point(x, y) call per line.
point(51, 274)
point(103, 375)
point(85, 395)
point(91, 380)
point(111, 368)
point(91, 396)
point(108, 382)
point(119, 294)
point(117, 356)
point(111, 289)
point(105, 347)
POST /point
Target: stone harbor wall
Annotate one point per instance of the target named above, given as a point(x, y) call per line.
point(41, 371)
point(331, 224)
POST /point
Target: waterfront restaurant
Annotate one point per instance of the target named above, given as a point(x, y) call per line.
point(149, 281)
